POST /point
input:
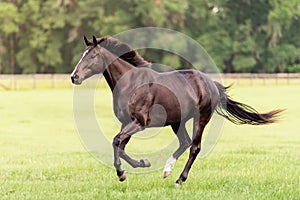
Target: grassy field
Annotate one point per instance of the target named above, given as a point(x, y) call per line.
point(42, 156)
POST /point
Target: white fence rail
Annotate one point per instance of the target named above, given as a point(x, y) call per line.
point(35, 81)
point(262, 79)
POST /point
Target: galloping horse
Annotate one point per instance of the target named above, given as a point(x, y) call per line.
point(137, 89)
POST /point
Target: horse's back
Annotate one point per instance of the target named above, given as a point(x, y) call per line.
point(201, 83)
point(192, 89)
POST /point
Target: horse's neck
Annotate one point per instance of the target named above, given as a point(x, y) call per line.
point(115, 70)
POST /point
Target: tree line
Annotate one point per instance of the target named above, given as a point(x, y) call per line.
point(241, 36)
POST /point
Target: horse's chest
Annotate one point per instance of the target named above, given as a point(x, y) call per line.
point(120, 106)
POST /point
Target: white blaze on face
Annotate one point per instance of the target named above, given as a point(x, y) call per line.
point(83, 55)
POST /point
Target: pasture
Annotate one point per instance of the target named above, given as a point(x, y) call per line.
point(42, 156)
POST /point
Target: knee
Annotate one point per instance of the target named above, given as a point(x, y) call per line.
point(116, 141)
point(195, 150)
point(185, 143)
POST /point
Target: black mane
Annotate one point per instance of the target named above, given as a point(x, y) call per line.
point(123, 50)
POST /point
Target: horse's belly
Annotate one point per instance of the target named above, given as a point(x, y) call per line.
point(170, 107)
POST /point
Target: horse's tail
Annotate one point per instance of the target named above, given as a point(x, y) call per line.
point(240, 113)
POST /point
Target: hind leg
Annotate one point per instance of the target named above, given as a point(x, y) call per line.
point(184, 142)
point(195, 148)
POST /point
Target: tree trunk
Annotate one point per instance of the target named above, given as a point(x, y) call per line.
point(12, 57)
point(228, 64)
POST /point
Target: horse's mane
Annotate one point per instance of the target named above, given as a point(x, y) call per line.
point(123, 50)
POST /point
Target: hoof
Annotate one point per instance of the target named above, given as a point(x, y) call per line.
point(123, 176)
point(166, 174)
point(178, 183)
point(145, 163)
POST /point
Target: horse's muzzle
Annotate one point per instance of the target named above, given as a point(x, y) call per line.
point(75, 79)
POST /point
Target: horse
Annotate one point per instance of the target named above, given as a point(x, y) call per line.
point(181, 95)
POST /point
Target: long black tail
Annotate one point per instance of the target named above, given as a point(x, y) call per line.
point(240, 113)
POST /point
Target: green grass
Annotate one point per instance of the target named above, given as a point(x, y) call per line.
point(42, 156)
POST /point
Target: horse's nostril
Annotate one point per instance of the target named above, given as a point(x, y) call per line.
point(74, 77)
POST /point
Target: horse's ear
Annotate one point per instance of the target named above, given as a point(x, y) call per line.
point(87, 42)
point(95, 41)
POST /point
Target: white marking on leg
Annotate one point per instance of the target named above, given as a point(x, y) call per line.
point(169, 164)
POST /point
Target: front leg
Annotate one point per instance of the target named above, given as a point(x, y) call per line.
point(117, 162)
point(119, 143)
point(134, 163)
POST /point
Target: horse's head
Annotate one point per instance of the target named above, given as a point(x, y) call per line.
point(91, 62)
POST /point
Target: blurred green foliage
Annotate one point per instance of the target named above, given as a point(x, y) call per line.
point(241, 36)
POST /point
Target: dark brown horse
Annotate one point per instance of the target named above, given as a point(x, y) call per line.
point(145, 98)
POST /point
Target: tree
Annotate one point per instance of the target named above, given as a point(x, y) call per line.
point(241, 36)
point(283, 43)
point(10, 20)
